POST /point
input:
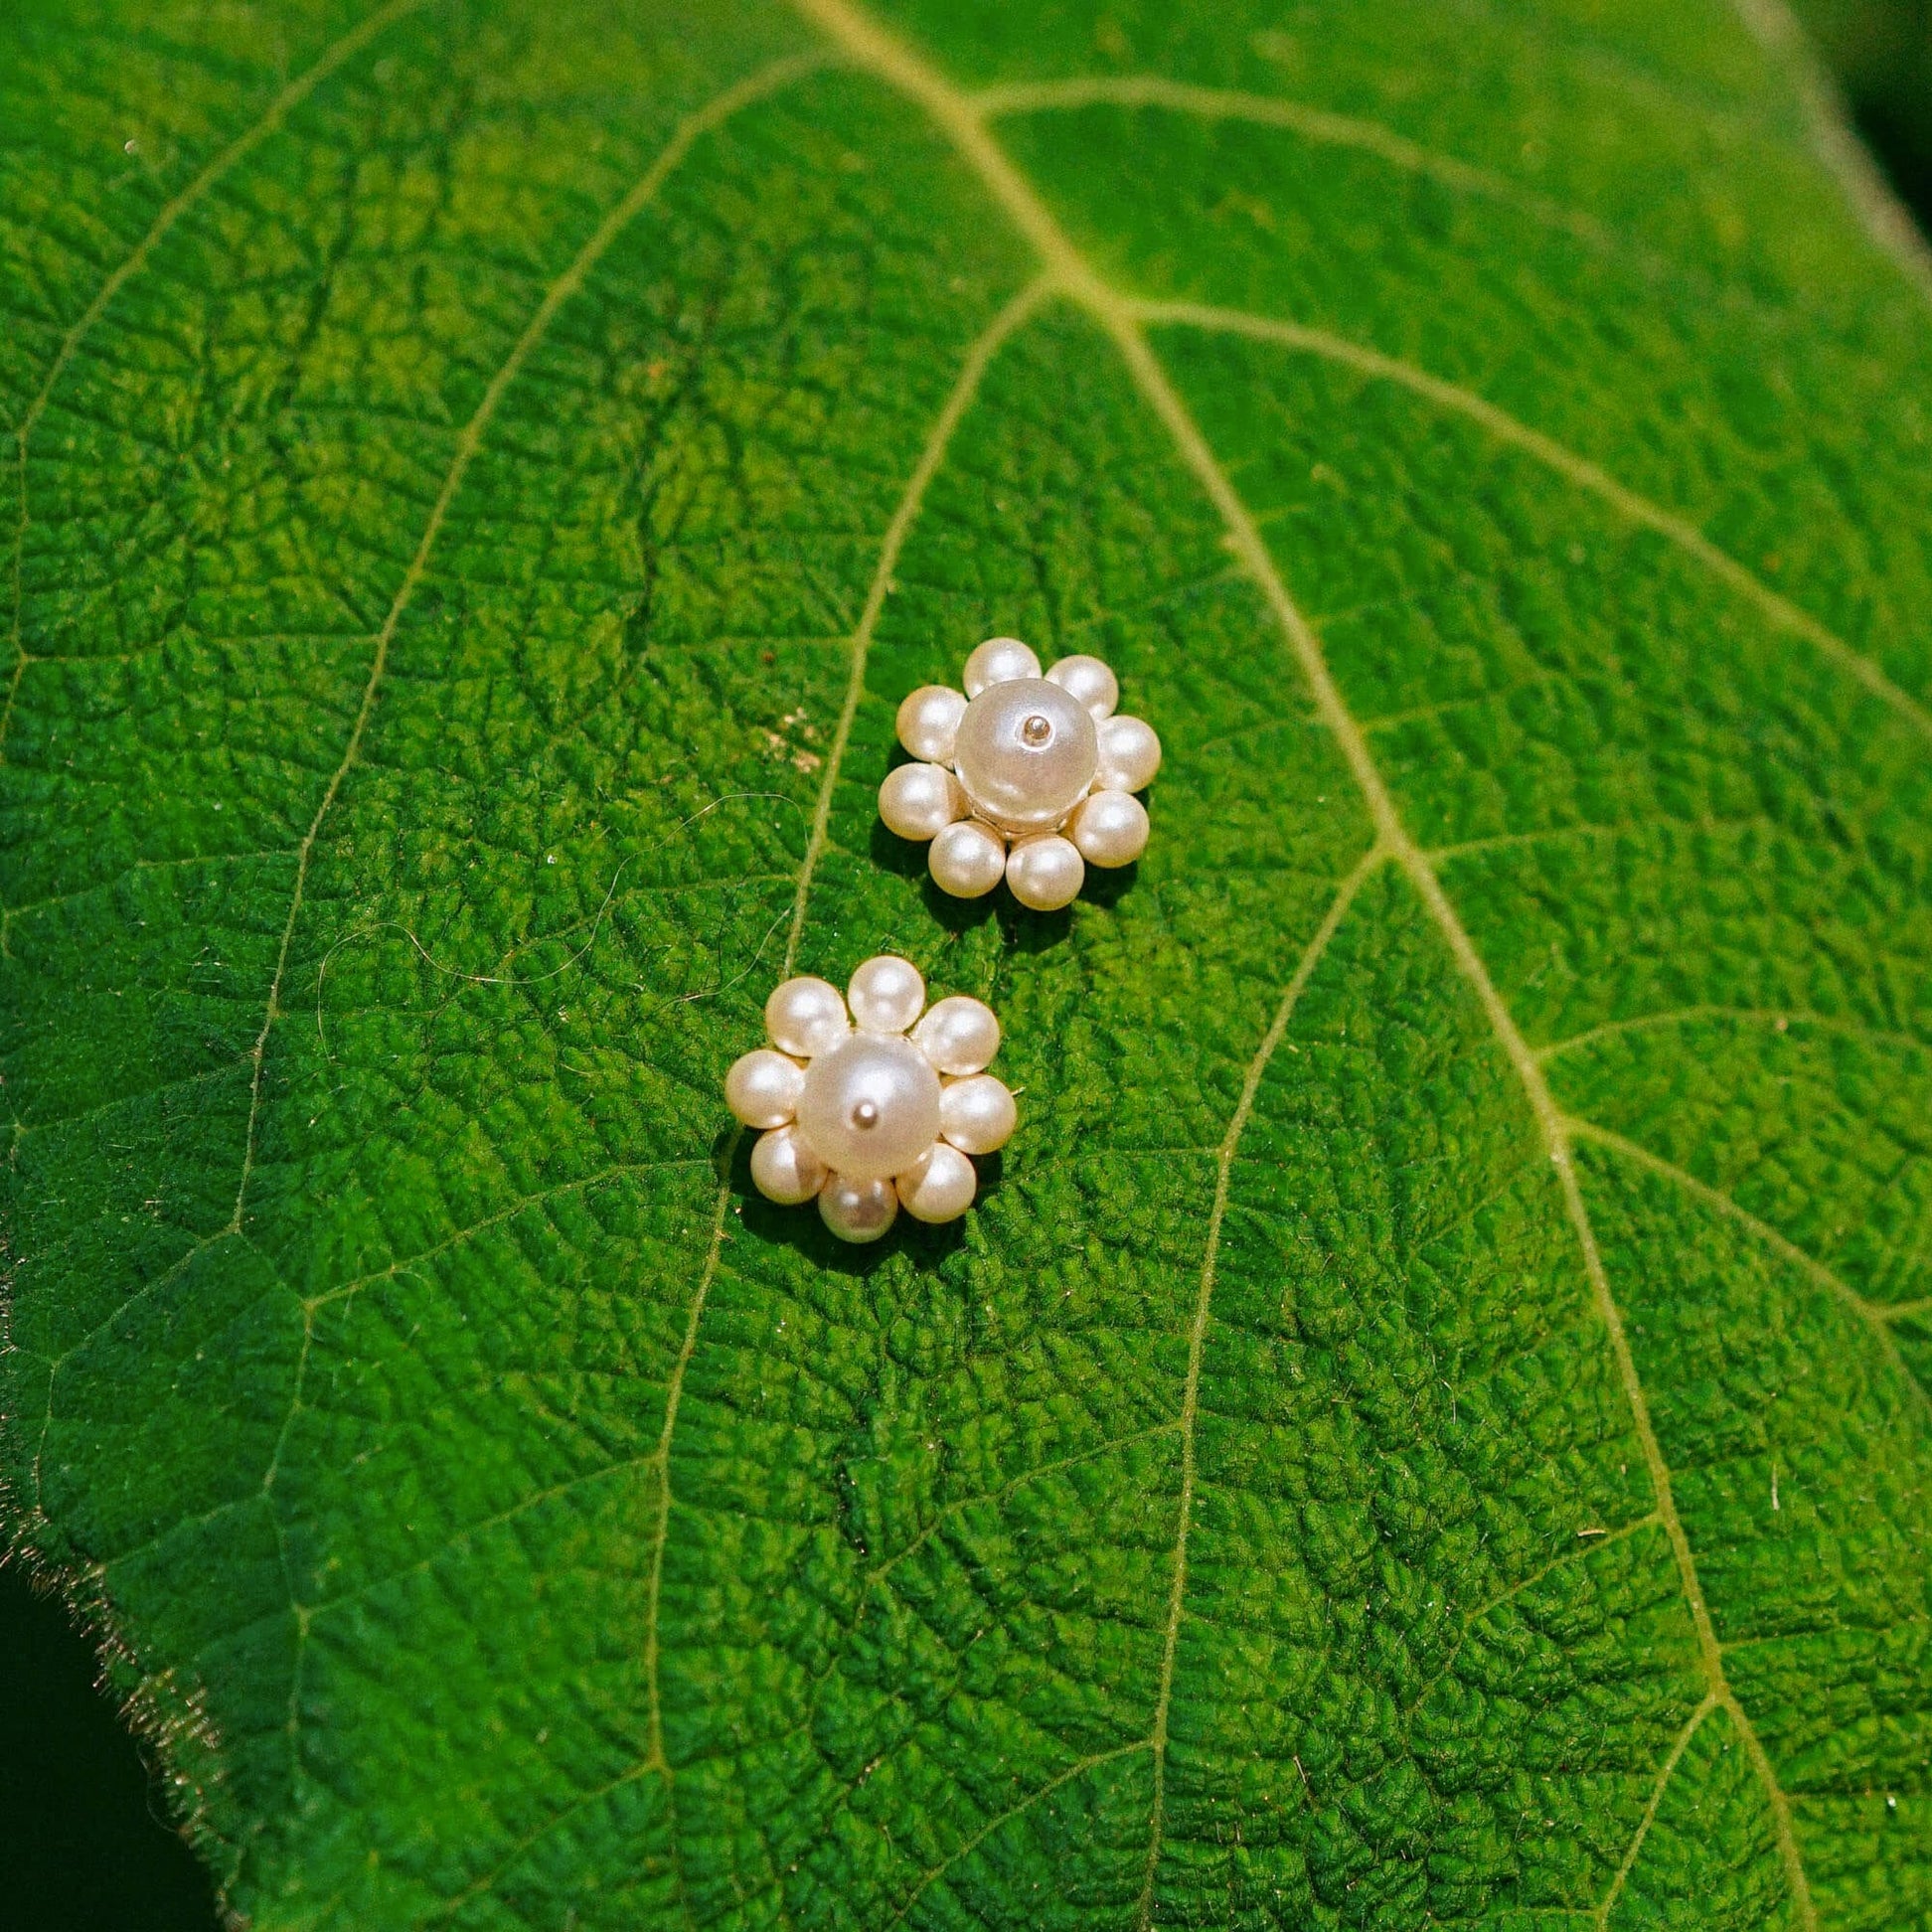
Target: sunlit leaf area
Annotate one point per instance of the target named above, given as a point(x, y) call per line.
point(1428, 1421)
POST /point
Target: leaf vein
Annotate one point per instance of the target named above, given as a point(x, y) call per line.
point(1271, 1040)
point(1874, 1315)
point(1545, 449)
point(1078, 1768)
point(906, 71)
point(1778, 1018)
point(1316, 124)
point(292, 96)
point(1664, 1772)
point(959, 398)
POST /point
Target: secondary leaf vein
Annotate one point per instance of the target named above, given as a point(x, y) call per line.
point(1580, 470)
point(1875, 1315)
point(1198, 1335)
point(904, 70)
point(292, 96)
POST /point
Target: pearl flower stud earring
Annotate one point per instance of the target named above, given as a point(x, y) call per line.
point(864, 1117)
point(1025, 777)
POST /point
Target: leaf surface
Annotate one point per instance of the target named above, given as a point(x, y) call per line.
point(1430, 1425)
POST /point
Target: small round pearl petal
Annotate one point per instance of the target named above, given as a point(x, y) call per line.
point(959, 1035)
point(919, 800)
point(1027, 754)
point(1130, 755)
point(784, 1169)
point(967, 860)
point(858, 1210)
point(870, 1107)
point(1089, 681)
point(927, 721)
point(762, 1089)
point(977, 1115)
point(939, 1186)
point(806, 1016)
point(997, 661)
point(1110, 829)
point(1045, 874)
point(886, 995)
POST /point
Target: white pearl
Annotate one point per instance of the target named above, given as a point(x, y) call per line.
point(858, 1210)
point(1047, 873)
point(967, 860)
point(919, 800)
point(1110, 829)
point(762, 1089)
point(870, 1107)
point(928, 721)
point(1130, 755)
point(959, 1034)
point(997, 661)
point(939, 1186)
point(784, 1169)
point(1089, 680)
point(886, 995)
point(977, 1115)
point(1027, 754)
point(806, 1016)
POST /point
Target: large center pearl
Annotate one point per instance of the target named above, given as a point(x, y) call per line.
point(1027, 751)
point(870, 1107)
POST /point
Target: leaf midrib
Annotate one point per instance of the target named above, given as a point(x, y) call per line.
point(952, 111)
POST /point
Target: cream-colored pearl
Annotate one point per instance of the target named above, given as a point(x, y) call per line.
point(1089, 681)
point(1027, 754)
point(871, 1106)
point(939, 1186)
point(762, 1089)
point(886, 995)
point(806, 1016)
point(959, 1034)
point(928, 721)
point(919, 800)
point(1110, 829)
point(997, 661)
point(858, 1210)
point(967, 860)
point(1130, 755)
point(977, 1114)
point(784, 1169)
point(1045, 872)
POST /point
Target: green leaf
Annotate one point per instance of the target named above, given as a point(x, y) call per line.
point(1430, 1425)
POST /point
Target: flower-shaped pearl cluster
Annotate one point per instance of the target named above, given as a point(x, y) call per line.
point(1027, 778)
point(864, 1117)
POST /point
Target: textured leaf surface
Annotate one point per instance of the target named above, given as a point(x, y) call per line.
point(1431, 1424)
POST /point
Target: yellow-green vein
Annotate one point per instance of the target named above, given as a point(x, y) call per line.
point(1580, 470)
point(952, 112)
point(695, 126)
point(959, 398)
point(1198, 1337)
point(1875, 1316)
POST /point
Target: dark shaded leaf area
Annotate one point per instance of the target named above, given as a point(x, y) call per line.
point(1882, 53)
point(1428, 1422)
point(86, 1840)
